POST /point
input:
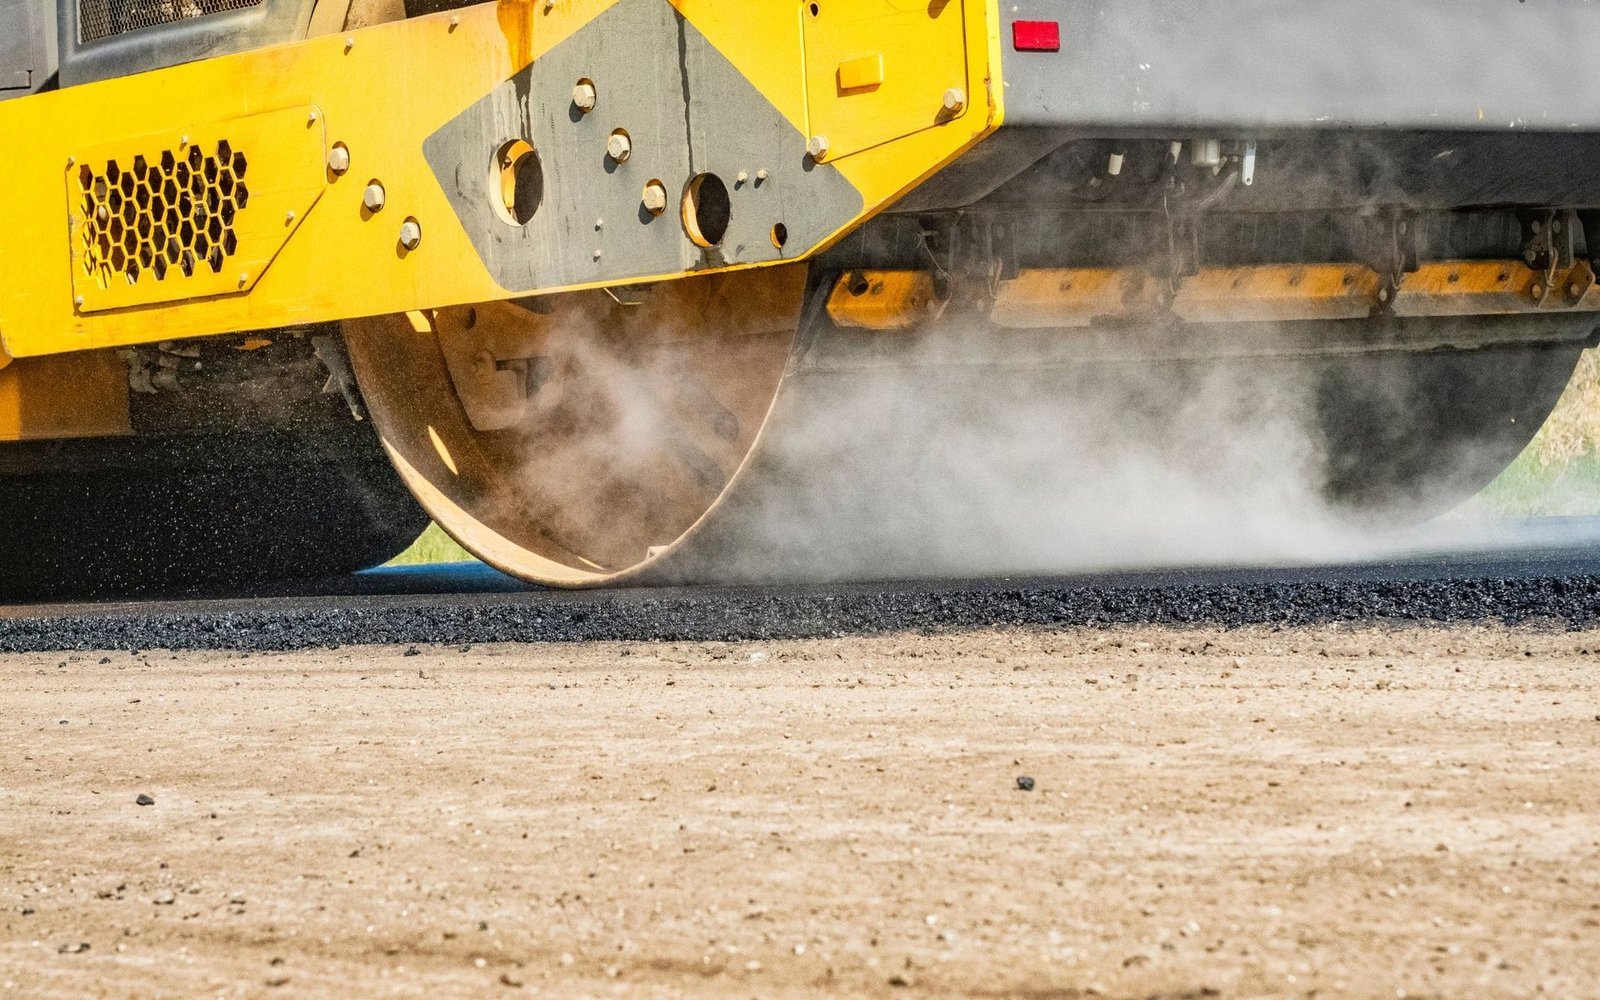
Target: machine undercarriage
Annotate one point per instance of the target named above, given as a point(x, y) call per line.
point(814, 309)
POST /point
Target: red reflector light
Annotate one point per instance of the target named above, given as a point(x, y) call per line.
point(1036, 36)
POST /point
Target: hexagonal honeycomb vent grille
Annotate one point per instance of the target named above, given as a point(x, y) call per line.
point(161, 218)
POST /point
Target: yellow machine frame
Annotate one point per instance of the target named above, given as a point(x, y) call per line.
point(315, 252)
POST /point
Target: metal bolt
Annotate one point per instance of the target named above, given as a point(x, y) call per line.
point(311, 119)
point(71, 160)
point(349, 42)
point(288, 217)
point(455, 21)
point(654, 198)
point(77, 300)
point(244, 279)
point(1574, 289)
point(410, 234)
point(817, 147)
point(1537, 290)
point(597, 253)
point(599, 224)
point(743, 176)
point(619, 146)
point(761, 175)
point(584, 97)
point(373, 197)
point(339, 159)
point(954, 100)
point(101, 213)
point(183, 140)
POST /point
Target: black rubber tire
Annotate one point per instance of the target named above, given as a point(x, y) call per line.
point(219, 514)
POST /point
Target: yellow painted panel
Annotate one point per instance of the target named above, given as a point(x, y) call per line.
point(175, 216)
point(759, 38)
point(922, 45)
point(382, 91)
point(859, 74)
point(66, 395)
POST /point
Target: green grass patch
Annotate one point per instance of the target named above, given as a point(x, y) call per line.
point(1529, 489)
point(432, 546)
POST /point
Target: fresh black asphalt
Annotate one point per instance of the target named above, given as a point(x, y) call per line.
point(1545, 573)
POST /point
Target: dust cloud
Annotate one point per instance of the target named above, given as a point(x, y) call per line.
point(928, 468)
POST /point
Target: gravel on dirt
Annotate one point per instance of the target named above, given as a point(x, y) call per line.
point(1264, 811)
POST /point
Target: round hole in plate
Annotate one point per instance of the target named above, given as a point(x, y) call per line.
point(707, 210)
point(519, 182)
point(780, 235)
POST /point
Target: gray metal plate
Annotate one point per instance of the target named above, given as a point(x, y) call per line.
point(687, 110)
point(1456, 64)
point(27, 46)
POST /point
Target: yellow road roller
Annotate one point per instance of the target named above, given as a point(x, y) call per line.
point(700, 290)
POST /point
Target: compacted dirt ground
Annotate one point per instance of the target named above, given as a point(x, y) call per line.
point(1336, 812)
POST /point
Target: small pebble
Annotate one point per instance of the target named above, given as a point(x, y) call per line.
point(144, 800)
point(73, 947)
point(164, 898)
point(1024, 783)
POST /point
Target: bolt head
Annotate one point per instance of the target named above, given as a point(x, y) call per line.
point(654, 198)
point(817, 147)
point(410, 234)
point(338, 160)
point(584, 97)
point(955, 99)
point(619, 146)
point(373, 197)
